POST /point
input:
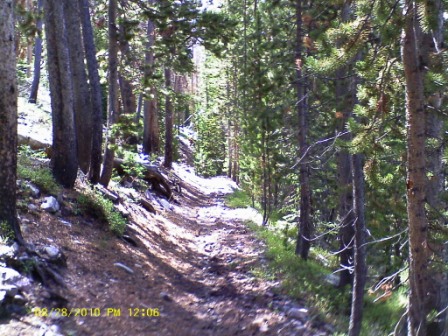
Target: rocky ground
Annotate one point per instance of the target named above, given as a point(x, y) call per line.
point(189, 273)
point(186, 270)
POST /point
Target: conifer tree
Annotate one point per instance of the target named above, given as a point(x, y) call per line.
point(8, 125)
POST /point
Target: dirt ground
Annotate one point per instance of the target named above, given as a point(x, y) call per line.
point(190, 273)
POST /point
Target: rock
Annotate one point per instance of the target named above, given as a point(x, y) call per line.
point(165, 204)
point(20, 299)
point(52, 251)
point(9, 276)
point(35, 192)
point(8, 290)
point(6, 251)
point(298, 313)
point(124, 267)
point(50, 204)
point(165, 296)
point(33, 207)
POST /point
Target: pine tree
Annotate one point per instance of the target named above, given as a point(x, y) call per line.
point(8, 125)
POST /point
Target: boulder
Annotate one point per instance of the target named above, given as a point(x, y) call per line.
point(50, 204)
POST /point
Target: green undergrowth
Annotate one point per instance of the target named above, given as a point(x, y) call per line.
point(95, 204)
point(238, 199)
point(30, 168)
point(306, 280)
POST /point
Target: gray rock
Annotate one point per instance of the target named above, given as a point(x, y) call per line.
point(298, 313)
point(124, 267)
point(50, 204)
point(165, 296)
point(20, 299)
point(8, 290)
point(35, 192)
point(165, 204)
point(33, 207)
point(9, 276)
point(52, 251)
point(6, 251)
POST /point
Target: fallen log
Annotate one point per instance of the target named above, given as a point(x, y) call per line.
point(150, 174)
point(147, 205)
point(108, 194)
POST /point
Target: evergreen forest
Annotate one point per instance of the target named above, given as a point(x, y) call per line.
point(328, 119)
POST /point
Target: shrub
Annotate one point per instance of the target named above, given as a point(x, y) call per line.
point(95, 204)
point(29, 168)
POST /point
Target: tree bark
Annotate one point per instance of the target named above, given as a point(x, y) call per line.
point(345, 94)
point(8, 125)
point(82, 103)
point(95, 92)
point(151, 129)
point(305, 221)
point(168, 161)
point(360, 266)
point(64, 158)
point(416, 174)
point(431, 47)
point(113, 94)
point(37, 57)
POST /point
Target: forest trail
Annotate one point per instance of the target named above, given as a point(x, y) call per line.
point(192, 264)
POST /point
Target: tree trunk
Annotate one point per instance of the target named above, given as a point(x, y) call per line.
point(113, 112)
point(431, 47)
point(8, 125)
point(360, 266)
point(64, 159)
point(151, 129)
point(416, 174)
point(37, 57)
point(82, 103)
point(95, 92)
point(168, 162)
point(345, 94)
point(305, 221)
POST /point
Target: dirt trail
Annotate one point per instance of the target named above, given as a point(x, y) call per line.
point(192, 266)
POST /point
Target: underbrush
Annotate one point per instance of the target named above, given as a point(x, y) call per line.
point(95, 204)
point(238, 199)
point(307, 280)
point(311, 280)
point(31, 168)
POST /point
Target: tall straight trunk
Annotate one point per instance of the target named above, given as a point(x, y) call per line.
point(345, 91)
point(82, 103)
point(431, 47)
point(416, 174)
point(305, 221)
point(37, 57)
point(129, 100)
point(151, 129)
point(95, 92)
point(360, 266)
point(113, 112)
point(168, 162)
point(64, 161)
point(8, 124)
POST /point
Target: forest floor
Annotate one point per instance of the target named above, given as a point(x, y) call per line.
point(190, 273)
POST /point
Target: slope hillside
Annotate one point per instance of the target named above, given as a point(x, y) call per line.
point(186, 269)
